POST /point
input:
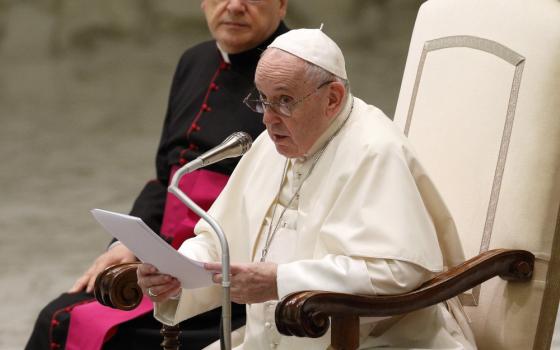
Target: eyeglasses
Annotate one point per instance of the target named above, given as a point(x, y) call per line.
point(284, 108)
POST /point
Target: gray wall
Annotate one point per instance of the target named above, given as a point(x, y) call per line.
point(83, 88)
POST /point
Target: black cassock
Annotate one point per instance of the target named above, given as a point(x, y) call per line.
point(205, 106)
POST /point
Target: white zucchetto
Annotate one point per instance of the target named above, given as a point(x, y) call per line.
point(314, 46)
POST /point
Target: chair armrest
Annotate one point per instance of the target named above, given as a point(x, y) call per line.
point(306, 313)
point(117, 287)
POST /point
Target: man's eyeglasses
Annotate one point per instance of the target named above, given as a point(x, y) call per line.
point(257, 104)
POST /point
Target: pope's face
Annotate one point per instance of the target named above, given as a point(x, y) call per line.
point(240, 25)
point(280, 77)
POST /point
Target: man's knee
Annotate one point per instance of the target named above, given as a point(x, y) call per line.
point(54, 319)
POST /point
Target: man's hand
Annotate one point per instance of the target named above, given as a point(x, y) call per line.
point(116, 255)
point(159, 287)
point(250, 283)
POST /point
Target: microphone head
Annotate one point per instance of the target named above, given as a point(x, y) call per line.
point(234, 145)
point(242, 139)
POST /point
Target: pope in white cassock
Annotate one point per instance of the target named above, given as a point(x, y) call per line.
point(330, 197)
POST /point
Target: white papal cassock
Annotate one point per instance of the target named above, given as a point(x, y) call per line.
point(367, 220)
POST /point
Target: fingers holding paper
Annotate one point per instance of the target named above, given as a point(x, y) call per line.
point(250, 283)
point(157, 286)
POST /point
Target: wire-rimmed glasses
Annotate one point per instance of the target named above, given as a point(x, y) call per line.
point(257, 104)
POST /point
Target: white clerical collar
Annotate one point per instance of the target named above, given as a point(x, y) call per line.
point(333, 127)
point(224, 54)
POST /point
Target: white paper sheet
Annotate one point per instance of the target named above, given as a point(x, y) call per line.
point(151, 248)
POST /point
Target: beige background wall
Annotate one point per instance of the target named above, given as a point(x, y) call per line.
point(83, 88)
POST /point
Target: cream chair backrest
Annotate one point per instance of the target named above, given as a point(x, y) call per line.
point(480, 102)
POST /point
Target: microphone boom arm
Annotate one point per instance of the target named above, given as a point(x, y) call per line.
point(233, 146)
point(226, 298)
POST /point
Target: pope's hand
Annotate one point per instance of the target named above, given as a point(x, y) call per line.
point(159, 287)
point(116, 255)
point(250, 283)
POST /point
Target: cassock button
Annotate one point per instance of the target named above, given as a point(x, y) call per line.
point(268, 325)
point(182, 161)
point(214, 86)
point(273, 345)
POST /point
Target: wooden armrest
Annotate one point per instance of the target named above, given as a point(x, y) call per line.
point(117, 287)
point(306, 314)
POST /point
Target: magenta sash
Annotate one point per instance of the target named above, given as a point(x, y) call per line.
point(203, 187)
point(92, 324)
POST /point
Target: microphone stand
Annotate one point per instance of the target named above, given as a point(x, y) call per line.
point(226, 299)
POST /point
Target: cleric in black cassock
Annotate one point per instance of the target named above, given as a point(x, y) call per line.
point(205, 106)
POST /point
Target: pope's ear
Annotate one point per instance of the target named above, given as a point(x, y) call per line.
point(283, 8)
point(336, 96)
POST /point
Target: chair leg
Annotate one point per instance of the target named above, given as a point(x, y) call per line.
point(345, 332)
point(170, 337)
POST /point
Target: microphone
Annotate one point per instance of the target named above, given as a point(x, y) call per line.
point(234, 145)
